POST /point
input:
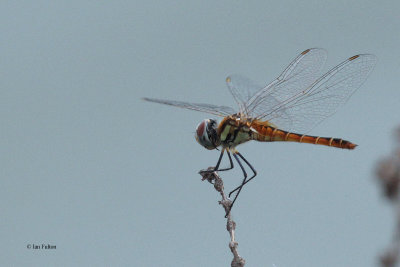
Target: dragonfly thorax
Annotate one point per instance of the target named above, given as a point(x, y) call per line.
point(234, 130)
point(206, 134)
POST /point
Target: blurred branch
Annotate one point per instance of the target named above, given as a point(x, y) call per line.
point(388, 174)
point(216, 180)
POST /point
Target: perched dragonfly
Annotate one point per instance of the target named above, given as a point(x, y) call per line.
point(283, 110)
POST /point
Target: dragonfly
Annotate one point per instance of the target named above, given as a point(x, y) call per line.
point(284, 110)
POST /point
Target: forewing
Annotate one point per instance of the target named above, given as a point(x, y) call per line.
point(297, 77)
point(242, 89)
point(207, 108)
point(309, 107)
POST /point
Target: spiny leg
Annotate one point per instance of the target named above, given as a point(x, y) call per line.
point(230, 162)
point(209, 174)
point(219, 159)
point(251, 167)
point(240, 187)
point(219, 162)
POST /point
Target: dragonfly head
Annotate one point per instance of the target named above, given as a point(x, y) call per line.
point(206, 134)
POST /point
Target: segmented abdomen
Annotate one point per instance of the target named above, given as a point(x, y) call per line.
point(268, 133)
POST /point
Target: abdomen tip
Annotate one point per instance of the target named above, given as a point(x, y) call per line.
point(352, 146)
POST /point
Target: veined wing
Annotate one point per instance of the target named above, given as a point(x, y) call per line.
point(242, 88)
point(309, 107)
point(207, 108)
point(299, 75)
point(253, 100)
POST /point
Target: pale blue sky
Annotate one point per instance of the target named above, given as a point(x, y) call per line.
point(111, 180)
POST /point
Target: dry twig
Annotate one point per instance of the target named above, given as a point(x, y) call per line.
point(216, 180)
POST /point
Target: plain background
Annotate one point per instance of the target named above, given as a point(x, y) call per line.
point(111, 180)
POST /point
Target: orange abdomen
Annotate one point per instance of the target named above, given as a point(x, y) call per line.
point(266, 133)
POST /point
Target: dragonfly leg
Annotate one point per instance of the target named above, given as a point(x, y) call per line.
point(230, 162)
point(219, 162)
point(240, 187)
point(248, 180)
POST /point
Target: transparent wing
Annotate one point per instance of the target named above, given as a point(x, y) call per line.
point(299, 75)
point(304, 109)
point(207, 108)
point(242, 89)
point(254, 100)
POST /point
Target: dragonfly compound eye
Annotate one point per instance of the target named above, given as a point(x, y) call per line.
point(206, 134)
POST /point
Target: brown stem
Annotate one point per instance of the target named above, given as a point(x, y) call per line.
point(216, 180)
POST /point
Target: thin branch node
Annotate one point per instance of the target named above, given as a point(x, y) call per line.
point(238, 262)
point(231, 225)
point(212, 177)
